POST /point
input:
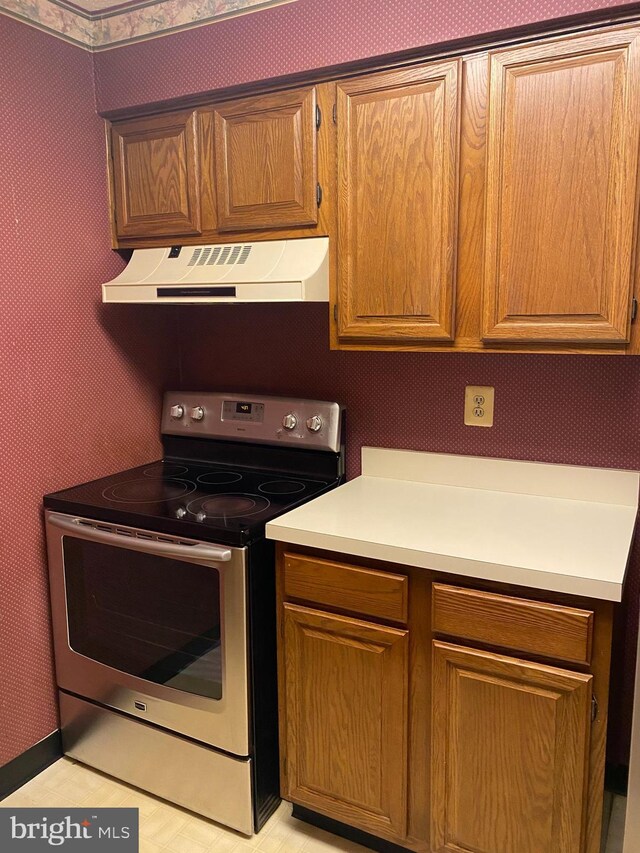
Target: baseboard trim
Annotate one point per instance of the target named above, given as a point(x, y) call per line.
point(27, 765)
point(346, 831)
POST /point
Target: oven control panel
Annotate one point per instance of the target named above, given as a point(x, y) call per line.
point(313, 424)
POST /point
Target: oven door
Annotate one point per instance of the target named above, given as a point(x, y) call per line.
point(152, 625)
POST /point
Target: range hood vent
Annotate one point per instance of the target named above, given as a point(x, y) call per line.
point(269, 271)
point(229, 255)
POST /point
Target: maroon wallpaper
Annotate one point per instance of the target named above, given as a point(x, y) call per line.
point(581, 410)
point(302, 35)
point(78, 385)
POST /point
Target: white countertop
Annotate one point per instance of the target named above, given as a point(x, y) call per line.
point(555, 527)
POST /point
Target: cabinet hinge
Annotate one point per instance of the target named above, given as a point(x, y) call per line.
point(319, 195)
point(594, 709)
point(634, 309)
point(318, 117)
point(335, 114)
point(335, 312)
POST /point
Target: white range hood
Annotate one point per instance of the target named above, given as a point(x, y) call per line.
point(273, 271)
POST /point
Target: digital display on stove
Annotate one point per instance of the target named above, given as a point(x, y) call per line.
point(242, 410)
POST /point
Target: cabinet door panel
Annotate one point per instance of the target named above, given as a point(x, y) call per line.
point(156, 176)
point(398, 143)
point(510, 754)
point(266, 170)
point(346, 709)
point(564, 120)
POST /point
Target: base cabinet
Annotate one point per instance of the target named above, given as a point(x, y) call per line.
point(510, 754)
point(346, 709)
point(442, 714)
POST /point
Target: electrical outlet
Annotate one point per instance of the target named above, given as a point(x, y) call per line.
point(478, 405)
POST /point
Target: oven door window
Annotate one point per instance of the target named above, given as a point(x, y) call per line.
point(152, 617)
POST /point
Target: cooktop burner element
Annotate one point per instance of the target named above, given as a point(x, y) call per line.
point(231, 465)
point(281, 487)
point(219, 478)
point(162, 469)
point(229, 506)
point(147, 491)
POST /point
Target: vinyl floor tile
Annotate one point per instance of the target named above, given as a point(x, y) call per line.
point(181, 843)
point(165, 828)
point(615, 835)
point(169, 829)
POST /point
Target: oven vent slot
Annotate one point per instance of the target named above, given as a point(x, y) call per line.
point(134, 534)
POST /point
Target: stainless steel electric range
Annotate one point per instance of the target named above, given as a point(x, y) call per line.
point(163, 601)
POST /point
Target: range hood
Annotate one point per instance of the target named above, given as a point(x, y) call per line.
point(273, 271)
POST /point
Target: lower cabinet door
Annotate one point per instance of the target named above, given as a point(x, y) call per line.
point(346, 684)
point(510, 754)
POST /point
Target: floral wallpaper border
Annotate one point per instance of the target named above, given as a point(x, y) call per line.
point(95, 31)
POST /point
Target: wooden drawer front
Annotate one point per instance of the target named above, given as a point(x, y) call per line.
point(358, 590)
point(532, 627)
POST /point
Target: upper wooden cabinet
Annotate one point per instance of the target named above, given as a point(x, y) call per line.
point(480, 203)
point(562, 168)
point(398, 143)
point(266, 167)
point(156, 184)
point(224, 172)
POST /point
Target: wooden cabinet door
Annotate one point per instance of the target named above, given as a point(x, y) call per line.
point(346, 688)
point(156, 176)
point(266, 169)
point(562, 168)
point(398, 143)
point(510, 754)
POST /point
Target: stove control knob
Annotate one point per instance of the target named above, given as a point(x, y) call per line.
point(197, 413)
point(290, 421)
point(181, 512)
point(177, 412)
point(314, 423)
point(201, 516)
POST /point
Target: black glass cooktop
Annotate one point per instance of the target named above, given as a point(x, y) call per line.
point(222, 503)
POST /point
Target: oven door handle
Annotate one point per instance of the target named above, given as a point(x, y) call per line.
point(200, 552)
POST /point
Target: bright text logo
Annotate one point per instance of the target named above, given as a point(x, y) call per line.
point(33, 830)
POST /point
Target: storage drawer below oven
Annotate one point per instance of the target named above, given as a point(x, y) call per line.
point(196, 777)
